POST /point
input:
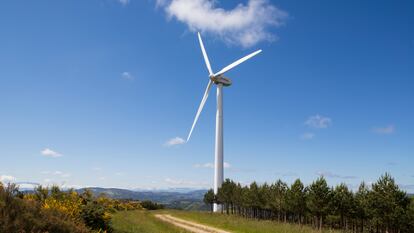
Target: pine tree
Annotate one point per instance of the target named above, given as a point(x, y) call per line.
point(362, 209)
point(343, 202)
point(296, 200)
point(389, 204)
point(209, 198)
point(253, 199)
point(278, 199)
point(319, 198)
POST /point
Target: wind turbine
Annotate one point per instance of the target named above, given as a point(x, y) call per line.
point(220, 81)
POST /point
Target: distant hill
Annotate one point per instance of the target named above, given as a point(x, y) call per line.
point(176, 199)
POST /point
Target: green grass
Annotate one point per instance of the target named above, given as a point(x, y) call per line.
point(141, 221)
point(242, 225)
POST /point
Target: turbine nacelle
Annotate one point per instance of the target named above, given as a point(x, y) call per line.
point(221, 80)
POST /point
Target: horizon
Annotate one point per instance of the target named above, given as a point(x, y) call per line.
point(103, 93)
point(22, 186)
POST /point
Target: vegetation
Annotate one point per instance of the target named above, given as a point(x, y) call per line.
point(382, 208)
point(140, 221)
point(53, 210)
point(379, 208)
point(149, 205)
point(20, 215)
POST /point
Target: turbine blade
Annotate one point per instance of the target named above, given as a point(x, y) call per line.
point(205, 55)
point(236, 63)
point(200, 108)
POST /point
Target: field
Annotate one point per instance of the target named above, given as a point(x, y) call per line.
point(144, 221)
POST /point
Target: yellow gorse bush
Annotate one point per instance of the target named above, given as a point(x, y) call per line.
point(81, 209)
point(70, 204)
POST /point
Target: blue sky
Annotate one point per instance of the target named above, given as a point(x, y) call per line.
point(92, 91)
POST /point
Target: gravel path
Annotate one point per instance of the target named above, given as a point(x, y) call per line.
point(189, 225)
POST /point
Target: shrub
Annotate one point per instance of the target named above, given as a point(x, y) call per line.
point(149, 205)
point(23, 215)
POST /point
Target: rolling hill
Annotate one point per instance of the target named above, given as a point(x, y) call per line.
point(175, 199)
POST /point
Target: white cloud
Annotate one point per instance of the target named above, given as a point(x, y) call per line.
point(124, 2)
point(50, 153)
point(66, 175)
point(245, 25)
point(161, 3)
point(384, 130)
point(57, 173)
point(318, 121)
point(307, 136)
point(7, 178)
point(211, 165)
point(174, 141)
point(205, 165)
point(66, 186)
point(334, 175)
point(185, 183)
point(127, 76)
point(287, 174)
point(27, 185)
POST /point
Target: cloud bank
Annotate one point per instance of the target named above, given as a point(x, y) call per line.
point(7, 178)
point(245, 25)
point(211, 165)
point(185, 183)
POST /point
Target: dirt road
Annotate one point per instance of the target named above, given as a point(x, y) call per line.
point(188, 225)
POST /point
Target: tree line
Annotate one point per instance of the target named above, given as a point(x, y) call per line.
point(378, 208)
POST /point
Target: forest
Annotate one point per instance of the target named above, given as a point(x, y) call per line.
point(381, 207)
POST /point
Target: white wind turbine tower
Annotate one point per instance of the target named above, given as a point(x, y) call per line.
point(220, 81)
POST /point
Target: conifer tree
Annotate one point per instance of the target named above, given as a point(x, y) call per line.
point(343, 202)
point(296, 200)
point(209, 198)
point(319, 198)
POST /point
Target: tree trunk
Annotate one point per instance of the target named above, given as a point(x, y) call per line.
point(320, 223)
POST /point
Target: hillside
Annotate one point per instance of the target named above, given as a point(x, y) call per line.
point(176, 199)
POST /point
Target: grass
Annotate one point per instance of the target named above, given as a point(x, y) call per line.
point(141, 221)
point(242, 225)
